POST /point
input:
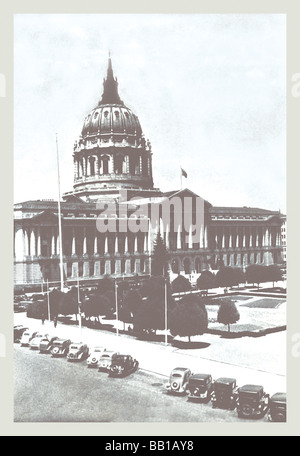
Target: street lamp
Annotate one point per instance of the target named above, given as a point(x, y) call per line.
point(117, 310)
point(79, 306)
point(166, 313)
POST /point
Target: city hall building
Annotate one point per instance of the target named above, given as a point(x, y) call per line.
point(113, 215)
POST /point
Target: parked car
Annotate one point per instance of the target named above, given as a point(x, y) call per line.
point(179, 379)
point(46, 344)
point(277, 408)
point(60, 347)
point(225, 393)
point(200, 387)
point(18, 331)
point(27, 336)
point(106, 359)
point(34, 344)
point(94, 356)
point(78, 351)
point(123, 365)
point(252, 401)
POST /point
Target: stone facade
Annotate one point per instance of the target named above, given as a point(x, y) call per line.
point(113, 214)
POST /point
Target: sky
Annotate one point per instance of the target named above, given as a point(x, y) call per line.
point(209, 91)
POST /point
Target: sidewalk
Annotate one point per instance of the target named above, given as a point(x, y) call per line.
point(222, 358)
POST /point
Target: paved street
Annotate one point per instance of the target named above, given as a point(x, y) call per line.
point(50, 389)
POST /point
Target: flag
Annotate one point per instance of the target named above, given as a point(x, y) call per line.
point(183, 173)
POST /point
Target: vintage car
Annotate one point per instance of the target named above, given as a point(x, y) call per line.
point(34, 344)
point(225, 393)
point(200, 387)
point(179, 380)
point(277, 408)
point(78, 351)
point(106, 360)
point(18, 331)
point(27, 336)
point(123, 365)
point(94, 356)
point(60, 347)
point(252, 401)
point(46, 344)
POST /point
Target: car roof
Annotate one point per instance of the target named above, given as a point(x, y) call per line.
point(200, 376)
point(251, 389)
point(278, 397)
point(225, 380)
point(62, 340)
point(180, 369)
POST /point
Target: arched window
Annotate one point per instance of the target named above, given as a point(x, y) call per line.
point(175, 266)
point(187, 266)
point(198, 265)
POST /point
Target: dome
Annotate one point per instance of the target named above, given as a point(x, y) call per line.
point(111, 115)
point(111, 118)
point(111, 153)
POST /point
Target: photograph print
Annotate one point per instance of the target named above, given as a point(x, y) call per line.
point(150, 218)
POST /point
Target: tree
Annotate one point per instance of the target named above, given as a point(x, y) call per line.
point(69, 304)
point(273, 273)
point(160, 256)
point(189, 317)
point(256, 273)
point(181, 284)
point(228, 313)
point(150, 315)
point(206, 280)
point(56, 298)
point(227, 277)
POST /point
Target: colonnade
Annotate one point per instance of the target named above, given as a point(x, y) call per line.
point(98, 165)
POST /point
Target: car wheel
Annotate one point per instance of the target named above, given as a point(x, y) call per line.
point(246, 410)
point(55, 351)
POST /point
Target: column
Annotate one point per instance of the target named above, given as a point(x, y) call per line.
point(250, 240)
point(145, 242)
point(75, 169)
point(112, 164)
point(52, 244)
point(84, 166)
point(88, 167)
point(57, 244)
point(116, 245)
point(106, 245)
point(244, 238)
point(167, 237)
point(149, 166)
point(223, 241)
point(126, 245)
point(84, 246)
point(95, 245)
point(39, 252)
point(97, 170)
point(141, 165)
point(237, 239)
point(201, 243)
point(205, 238)
point(135, 244)
point(73, 242)
point(179, 238)
point(230, 241)
point(216, 241)
point(19, 244)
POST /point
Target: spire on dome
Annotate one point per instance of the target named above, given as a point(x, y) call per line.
point(110, 93)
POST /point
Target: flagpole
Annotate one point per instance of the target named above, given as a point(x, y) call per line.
point(180, 178)
point(59, 222)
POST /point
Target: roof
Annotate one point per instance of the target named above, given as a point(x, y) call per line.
point(278, 397)
point(225, 380)
point(251, 389)
point(218, 210)
point(200, 376)
point(181, 369)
